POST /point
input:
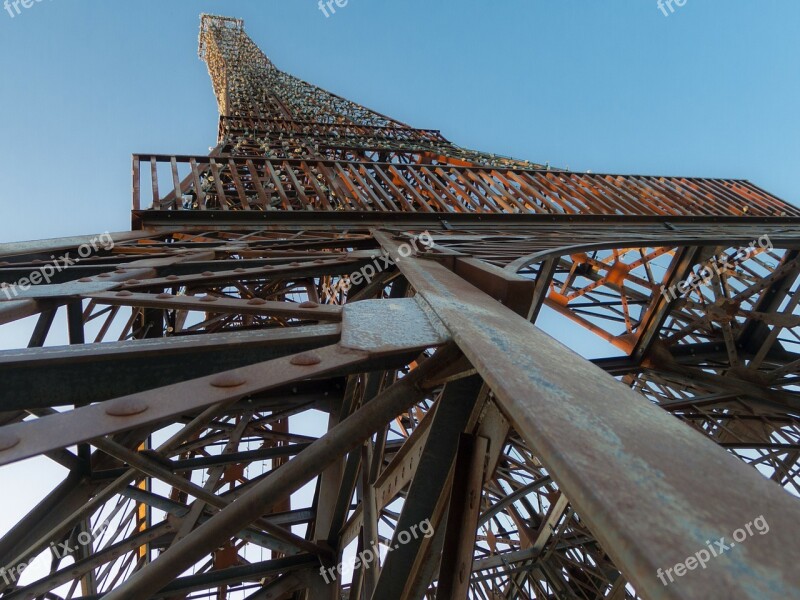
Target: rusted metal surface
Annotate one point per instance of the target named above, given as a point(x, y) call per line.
point(294, 184)
point(462, 519)
point(164, 301)
point(121, 368)
point(340, 439)
point(378, 326)
point(645, 507)
point(125, 413)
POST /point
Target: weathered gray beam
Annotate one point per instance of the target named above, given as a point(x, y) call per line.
point(50, 246)
point(238, 306)
point(59, 430)
point(649, 486)
point(508, 288)
point(249, 507)
point(430, 488)
point(462, 519)
point(280, 587)
point(64, 375)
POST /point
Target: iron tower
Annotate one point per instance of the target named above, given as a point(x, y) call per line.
point(320, 342)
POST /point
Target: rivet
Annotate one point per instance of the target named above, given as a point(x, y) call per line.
point(294, 264)
point(121, 271)
point(207, 273)
point(104, 276)
point(163, 296)
point(306, 360)
point(132, 282)
point(8, 441)
point(309, 304)
point(85, 280)
point(240, 270)
point(124, 294)
point(228, 380)
point(257, 302)
point(172, 277)
point(126, 407)
point(208, 299)
point(319, 261)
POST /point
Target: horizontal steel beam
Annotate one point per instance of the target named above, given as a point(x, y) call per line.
point(55, 245)
point(30, 438)
point(172, 219)
point(60, 376)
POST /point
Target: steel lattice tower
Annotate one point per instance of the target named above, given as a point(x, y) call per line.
point(328, 264)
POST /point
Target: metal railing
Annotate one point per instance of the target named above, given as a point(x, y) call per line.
point(253, 183)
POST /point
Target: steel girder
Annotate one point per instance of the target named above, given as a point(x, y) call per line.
point(534, 533)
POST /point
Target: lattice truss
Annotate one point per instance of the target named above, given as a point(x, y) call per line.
point(265, 112)
point(720, 352)
point(242, 398)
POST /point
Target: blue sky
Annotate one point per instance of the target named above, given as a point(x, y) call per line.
point(612, 86)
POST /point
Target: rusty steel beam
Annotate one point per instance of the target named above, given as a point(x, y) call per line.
point(53, 376)
point(552, 395)
point(429, 490)
point(59, 430)
point(462, 519)
point(344, 437)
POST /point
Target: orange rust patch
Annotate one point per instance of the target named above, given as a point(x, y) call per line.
point(618, 273)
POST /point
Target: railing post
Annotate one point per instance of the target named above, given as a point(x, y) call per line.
point(137, 205)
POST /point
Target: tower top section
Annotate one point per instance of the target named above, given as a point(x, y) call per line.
point(248, 84)
point(256, 99)
point(287, 145)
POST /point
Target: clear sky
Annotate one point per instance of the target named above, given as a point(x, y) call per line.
point(611, 86)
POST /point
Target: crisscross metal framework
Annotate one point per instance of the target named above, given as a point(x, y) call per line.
point(322, 339)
